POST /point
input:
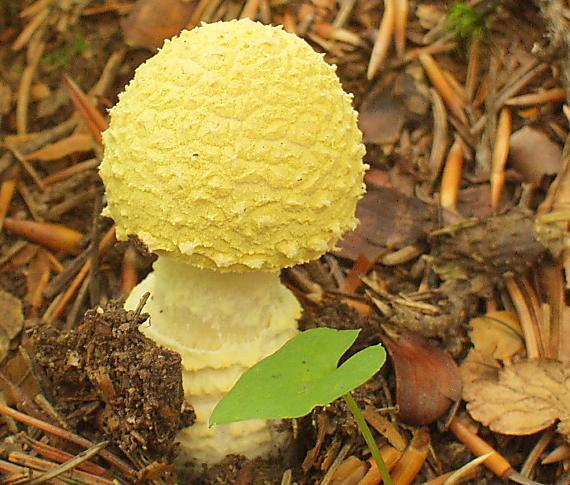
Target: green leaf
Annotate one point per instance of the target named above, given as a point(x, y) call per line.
point(299, 376)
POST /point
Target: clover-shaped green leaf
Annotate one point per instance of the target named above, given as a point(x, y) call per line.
point(302, 374)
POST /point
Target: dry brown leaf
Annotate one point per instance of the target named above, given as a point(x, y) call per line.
point(152, 21)
point(11, 321)
point(528, 397)
point(78, 142)
point(498, 334)
point(496, 337)
point(533, 154)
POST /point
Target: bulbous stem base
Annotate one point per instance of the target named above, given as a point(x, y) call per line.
point(221, 324)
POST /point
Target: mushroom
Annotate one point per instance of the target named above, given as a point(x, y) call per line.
point(232, 153)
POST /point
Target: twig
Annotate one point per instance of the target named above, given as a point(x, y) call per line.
point(71, 464)
point(473, 69)
point(60, 456)
point(58, 310)
point(70, 171)
point(520, 82)
point(66, 435)
point(28, 168)
point(538, 449)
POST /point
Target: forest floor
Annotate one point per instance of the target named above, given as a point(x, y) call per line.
point(459, 265)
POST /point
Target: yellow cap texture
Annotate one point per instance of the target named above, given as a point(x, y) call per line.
point(234, 148)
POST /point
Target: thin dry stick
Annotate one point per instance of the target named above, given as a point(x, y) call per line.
point(30, 201)
point(400, 26)
point(440, 82)
point(60, 456)
point(71, 464)
point(70, 171)
point(537, 451)
point(70, 203)
point(556, 95)
point(500, 155)
point(36, 50)
point(19, 474)
point(466, 471)
point(58, 310)
point(473, 69)
point(382, 43)
point(440, 136)
point(519, 83)
point(66, 435)
point(529, 329)
point(451, 178)
point(44, 467)
point(75, 309)
point(28, 168)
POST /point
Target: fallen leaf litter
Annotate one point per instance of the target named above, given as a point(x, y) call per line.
point(400, 289)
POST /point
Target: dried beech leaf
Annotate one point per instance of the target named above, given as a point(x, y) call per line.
point(533, 154)
point(78, 142)
point(528, 397)
point(496, 336)
point(152, 21)
point(427, 378)
point(11, 321)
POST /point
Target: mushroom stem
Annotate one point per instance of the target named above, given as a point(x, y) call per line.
point(221, 324)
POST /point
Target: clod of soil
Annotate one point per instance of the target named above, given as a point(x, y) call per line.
point(137, 383)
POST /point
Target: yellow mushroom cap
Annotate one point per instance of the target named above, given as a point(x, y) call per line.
point(234, 148)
